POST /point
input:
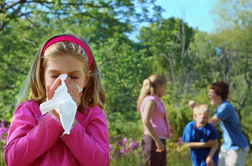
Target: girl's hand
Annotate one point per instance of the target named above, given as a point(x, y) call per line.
point(73, 90)
point(50, 89)
point(160, 146)
point(50, 92)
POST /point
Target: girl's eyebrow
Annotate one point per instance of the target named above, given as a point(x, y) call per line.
point(53, 71)
point(76, 71)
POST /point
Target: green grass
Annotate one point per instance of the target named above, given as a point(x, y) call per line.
point(177, 156)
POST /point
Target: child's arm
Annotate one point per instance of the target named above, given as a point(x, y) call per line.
point(147, 114)
point(27, 139)
point(88, 140)
point(196, 145)
point(209, 159)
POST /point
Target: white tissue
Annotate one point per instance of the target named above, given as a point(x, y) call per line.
point(79, 88)
point(63, 103)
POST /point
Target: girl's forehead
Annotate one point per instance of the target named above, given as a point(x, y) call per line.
point(63, 58)
point(63, 62)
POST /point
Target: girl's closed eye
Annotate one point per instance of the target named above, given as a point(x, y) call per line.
point(54, 76)
point(74, 77)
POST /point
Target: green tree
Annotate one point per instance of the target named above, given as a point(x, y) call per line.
point(123, 70)
point(26, 24)
point(169, 42)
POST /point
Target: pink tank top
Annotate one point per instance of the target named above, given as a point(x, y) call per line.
point(159, 119)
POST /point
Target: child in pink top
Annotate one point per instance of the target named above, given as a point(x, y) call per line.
point(36, 139)
point(154, 118)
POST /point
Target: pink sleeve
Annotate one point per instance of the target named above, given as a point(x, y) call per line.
point(90, 145)
point(28, 140)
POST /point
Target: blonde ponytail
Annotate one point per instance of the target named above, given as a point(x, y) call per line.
point(150, 87)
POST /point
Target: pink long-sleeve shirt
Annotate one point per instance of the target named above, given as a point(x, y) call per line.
point(158, 119)
point(35, 139)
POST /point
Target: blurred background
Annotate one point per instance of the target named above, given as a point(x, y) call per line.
point(191, 42)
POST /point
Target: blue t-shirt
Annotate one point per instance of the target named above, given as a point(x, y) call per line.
point(201, 134)
point(230, 127)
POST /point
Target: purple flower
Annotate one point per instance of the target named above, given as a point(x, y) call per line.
point(118, 143)
point(136, 144)
point(179, 141)
point(3, 130)
point(119, 154)
point(124, 150)
point(132, 145)
point(125, 140)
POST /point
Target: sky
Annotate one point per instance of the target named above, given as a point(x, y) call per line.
point(197, 13)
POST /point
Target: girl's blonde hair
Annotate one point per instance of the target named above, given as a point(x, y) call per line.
point(150, 87)
point(93, 93)
point(201, 108)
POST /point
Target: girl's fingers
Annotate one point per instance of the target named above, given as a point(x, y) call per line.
point(73, 86)
point(70, 87)
point(160, 150)
point(53, 87)
point(73, 90)
point(47, 92)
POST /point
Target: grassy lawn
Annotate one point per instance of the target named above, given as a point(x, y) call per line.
point(179, 156)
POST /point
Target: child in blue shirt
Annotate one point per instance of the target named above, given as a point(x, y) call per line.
point(235, 147)
point(201, 137)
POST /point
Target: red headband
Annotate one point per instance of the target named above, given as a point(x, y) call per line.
point(69, 39)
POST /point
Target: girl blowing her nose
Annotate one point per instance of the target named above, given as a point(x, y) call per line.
point(36, 139)
point(154, 118)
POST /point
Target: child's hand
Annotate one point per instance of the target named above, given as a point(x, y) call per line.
point(191, 104)
point(73, 90)
point(209, 161)
point(160, 146)
point(210, 143)
point(50, 92)
point(50, 89)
